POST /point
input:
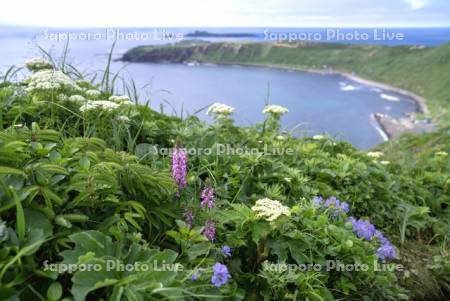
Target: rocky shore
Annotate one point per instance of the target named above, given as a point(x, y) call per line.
point(394, 127)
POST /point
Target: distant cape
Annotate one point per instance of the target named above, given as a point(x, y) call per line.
point(206, 34)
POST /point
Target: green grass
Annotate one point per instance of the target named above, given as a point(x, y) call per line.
point(422, 71)
point(413, 147)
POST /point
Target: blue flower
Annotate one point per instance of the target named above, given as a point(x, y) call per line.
point(226, 250)
point(333, 201)
point(220, 274)
point(194, 277)
point(336, 206)
point(345, 207)
point(317, 201)
point(386, 251)
point(380, 236)
point(363, 228)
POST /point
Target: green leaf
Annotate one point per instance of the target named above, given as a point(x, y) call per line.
point(54, 292)
point(52, 168)
point(117, 293)
point(35, 240)
point(95, 248)
point(198, 250)
point(260, 229)
point(85, 163)
point(20, 216)
point(37, 220)
point(51, 196)
point(11, 171)
point(89, 241)
point(279, 248)
point(60, 220)
point(75, 217)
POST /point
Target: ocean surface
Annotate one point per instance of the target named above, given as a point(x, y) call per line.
point(318, 103)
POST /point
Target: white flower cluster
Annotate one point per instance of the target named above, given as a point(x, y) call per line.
point(274, 109)
point(38, 64)
point(269, 209)
point(77, 98)
point(220, 109)
point(47, 80)
point(99, 104)
point(123, 118)
point(318, 137)
point(93, 93)
point(120, 99)
point(441, 154)
point(375, 155)
point(83, 82)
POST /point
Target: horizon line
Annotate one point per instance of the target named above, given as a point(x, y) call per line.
point(417, 26)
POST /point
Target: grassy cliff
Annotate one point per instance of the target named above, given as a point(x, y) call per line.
point(88, 178)
point(424, 71)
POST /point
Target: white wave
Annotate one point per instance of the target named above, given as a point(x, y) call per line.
point(192, 64)
point(389, 97)
point(347, 87)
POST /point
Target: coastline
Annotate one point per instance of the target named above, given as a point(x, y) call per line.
point(390, 127)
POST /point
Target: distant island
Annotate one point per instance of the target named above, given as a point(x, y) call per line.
point(207, 34)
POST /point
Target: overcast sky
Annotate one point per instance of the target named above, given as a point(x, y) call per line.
point(250, 13)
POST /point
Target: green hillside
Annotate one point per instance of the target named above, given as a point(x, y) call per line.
point(88, 177)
